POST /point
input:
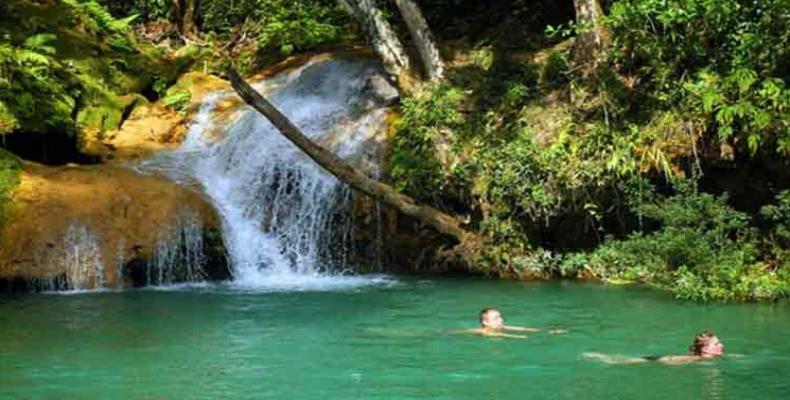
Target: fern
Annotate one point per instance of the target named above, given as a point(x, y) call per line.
point(100, 17)
point(31, 58)
point(123, 24)
point(40, 43)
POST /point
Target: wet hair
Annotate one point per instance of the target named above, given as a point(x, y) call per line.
point(486, 311)
point(700, 341)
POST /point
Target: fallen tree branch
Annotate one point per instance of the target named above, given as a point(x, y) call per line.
point(428, 215)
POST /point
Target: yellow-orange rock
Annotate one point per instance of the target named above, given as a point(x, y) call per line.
point(127, 213)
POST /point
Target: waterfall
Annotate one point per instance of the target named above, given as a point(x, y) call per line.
point(283, 217)
point(178, 256)
point(79, 256)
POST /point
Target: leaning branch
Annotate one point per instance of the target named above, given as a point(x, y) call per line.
point(430, 216)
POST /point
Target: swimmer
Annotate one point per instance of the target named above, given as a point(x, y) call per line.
point(706, 346)
point(492, 324)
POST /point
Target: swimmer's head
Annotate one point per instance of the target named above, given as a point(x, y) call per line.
point(491, 318)
point(707, 344)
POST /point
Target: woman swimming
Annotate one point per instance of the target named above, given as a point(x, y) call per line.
point(706, 346)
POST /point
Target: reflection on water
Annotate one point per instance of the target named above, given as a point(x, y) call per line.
point(714, 383)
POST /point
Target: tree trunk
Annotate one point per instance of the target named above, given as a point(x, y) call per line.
point(423, 39)
point(430, 216)
point(175, 13)
point(589, 43)
point(188, 28)
point(385, 42)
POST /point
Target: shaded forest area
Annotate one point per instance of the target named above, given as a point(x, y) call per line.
point(647, 141)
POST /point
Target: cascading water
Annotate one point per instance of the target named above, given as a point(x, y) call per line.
point(178, 258)
point(283, 220)
point(179, 254)
point(80, 257)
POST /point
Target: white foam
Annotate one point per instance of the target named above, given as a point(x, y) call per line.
point(282, 215)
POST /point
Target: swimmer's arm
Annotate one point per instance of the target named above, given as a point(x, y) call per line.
point(475, 331)
point(505, 335)
point(614, 359)
point(492, 334)
point(520, 329)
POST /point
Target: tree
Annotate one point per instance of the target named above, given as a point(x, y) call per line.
point(423, 39)
point(592, 39)
point(427, 215)
point(385, 41)
point(188, 26)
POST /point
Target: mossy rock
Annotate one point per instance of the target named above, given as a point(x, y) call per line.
point(103, 116)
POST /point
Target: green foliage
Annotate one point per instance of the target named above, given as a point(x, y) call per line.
point(556, 70)
point(65, 65)
point(146, 10)
point(160, 85)
point(724, 62)
point(297, 27)
point(702, 250)
point(536, 183)
point(178, 100)
point(30, 88)
point(8, 121)
point(778, 217)
point(280, 25)
point(426, 119)
point(10, 168)
point(495, 144)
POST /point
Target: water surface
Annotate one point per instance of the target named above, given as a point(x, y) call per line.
point(381, 339)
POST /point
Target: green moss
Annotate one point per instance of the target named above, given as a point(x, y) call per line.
point(101, 117)
point(10, 169)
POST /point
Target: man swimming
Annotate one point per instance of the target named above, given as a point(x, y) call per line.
point(492, 324)
point(706, 346)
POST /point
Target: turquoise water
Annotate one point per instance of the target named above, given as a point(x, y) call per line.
point(390, 340)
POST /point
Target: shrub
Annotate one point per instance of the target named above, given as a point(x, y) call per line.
point(724, 62)
point(10, 168)
point(702, 250)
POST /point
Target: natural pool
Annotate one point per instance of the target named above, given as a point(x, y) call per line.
point(381, 339)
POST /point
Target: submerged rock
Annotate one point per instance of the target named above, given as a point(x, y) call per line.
point(82, 227)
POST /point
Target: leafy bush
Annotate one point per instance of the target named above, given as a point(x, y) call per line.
point(31, 90)
point(724, 62)
point(60, 83)
point(702, 250)
point(281, 25)
point(292, 27)
point(10, 168)
point(556, 70)
point(778, 238)
point(427, 118)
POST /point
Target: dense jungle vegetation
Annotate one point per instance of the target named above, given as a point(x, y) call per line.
point(662, 158)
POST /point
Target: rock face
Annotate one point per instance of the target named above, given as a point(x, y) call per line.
point(151, 128)
point(81, 227)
